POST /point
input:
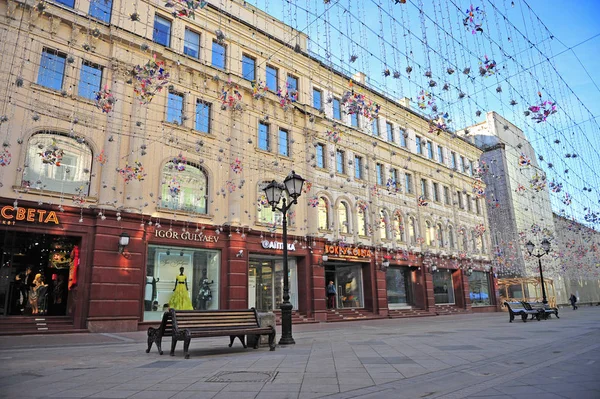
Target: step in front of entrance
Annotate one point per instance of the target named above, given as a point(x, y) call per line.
point(350, 314)
point(27, 325)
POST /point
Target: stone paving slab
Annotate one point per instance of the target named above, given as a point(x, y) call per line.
point(458, 356)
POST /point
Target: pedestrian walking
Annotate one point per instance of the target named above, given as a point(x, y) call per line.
point(573, 300)
point(331, 295)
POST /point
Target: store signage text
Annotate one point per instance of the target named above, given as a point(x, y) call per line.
point(336, 250)
point(11, 214)
point(185, 236)
point(277, 245)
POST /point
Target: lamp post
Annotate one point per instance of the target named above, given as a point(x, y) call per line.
point(546, 247)
point(293, 187)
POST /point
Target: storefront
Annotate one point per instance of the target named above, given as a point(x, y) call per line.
point(399, 285)
point(349, 269)
point(265, 282)
point(443, 287)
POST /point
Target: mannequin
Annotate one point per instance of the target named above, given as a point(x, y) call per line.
point(180, 299)
point(205, 294)
point(150, 294)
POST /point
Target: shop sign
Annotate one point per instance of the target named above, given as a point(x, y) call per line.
point(347, 252)
point(185, 236)
point(266, 244)
point(10, 215)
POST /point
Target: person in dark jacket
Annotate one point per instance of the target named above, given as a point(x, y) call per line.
point(331, 295)
point(573, 300)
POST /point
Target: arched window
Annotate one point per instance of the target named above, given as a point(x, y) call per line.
point(323, 213)
point(474, 241)
point(451, 237)
point(399, 227)
point(483, 248)
point(184, 190)
point(264, 210)
point(362, 221)
point(428, 233)
point(58, 163)
point(384, 225)
point(412, 230)
point(343, 218)
point(465, 241)
point(440, 235)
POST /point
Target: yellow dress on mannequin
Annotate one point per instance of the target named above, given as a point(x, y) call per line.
point(180, 299)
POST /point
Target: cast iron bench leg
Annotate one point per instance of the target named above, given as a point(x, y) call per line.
point(173, 344)
point(524, 317)
point(186, 344)
point(152, 332)
point(511, 317)
point(272, 341)
point(231, 339)
point(158, 342)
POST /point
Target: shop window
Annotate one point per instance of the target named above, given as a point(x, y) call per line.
point(398, 286)
point(58, 163)
point(265, 283)
point(384, 225)
point(200, 281)
point(412, 230)
point(479, 289)
point(349, 283)
point(443, 289)
point(52, 69)
point(90, 80)
point(323, 213)
point(266, 214)
point(343, 217)
point(362, 221)
point(185, 190)
point(399, 228)
point(101, 9)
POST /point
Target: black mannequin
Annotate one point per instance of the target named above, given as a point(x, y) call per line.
point(205, 294)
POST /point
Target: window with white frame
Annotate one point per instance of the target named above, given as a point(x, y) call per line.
point(320, 155)
point(175, 107)
point(323, 214)
point(358, 167)
point(340, 162)
point(52, 69)
point(203, 116)
point(191, 43)
point(184, 190)
point(390, 132)
point(162, 31)
point(343, 217)
point(284, 143)
point(263, 136)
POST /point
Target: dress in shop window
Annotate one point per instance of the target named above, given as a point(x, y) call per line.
point(180, 299)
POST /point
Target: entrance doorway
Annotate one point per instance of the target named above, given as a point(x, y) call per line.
point(265, 283)
point(348, 284)
point(398, 282)
point(34, 273)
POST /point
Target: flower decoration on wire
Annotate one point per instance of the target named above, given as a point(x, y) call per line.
point(236, 166)
point(101, 158)
point(362, 205)
point(422, 201)
point(132, 172)
point(334, 135)
point(307, 186)
point(262, 202)
point(230, 185)
point(461, 230)
point(535, 229)
point(478, 187)
point(185, 8)
point(538, 183)
point(313, 201)
point(359, 104)
point(420, 240)
point(482, 169)
point(174, 188)
point(179, 162)
point(591, 217)
point(392, 185)
point(149, 80)
point(439, 124)
point(79, 197)
point(259, 90)
point(520, 189)
point(479, 229)
point(231, 97)
point(425, 100)
point(5, 157)
point(487, 67)
point(105, 100)
point(474, 19)
point(287, 97)
point(52, 155)
point(543, 110)
point(555, 187)
point(567, 199)
point(375, 191)
point(524, 160)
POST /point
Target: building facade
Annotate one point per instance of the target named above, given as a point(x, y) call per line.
point(123, 120)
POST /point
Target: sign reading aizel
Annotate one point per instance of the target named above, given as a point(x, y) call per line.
point(347, 252)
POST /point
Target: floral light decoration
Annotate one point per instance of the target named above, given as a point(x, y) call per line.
point(420, 240)
point(538, 183)
point(461, 230)
point(149, 79)
point(179, 162)
point(482, 169)
point(334, 135)
point(101, 158)
point(567, 199)
point(524, 160)
point(474, 19)
point(543, 110)
point(425, 100)
point(479, 229)
point(231, 97)
point(262, 202)
point(535, 228)
point(52, 155)
point(236, 166)
point(392, 185)
point(307, 186)
point(359, 104)
point(362, 205)
point(487, 67)
point(439, 125)
point(520, 189)
point(259, 90)
point(313, 201)
point(174, 188)
point(555, 187)
point(230, 185)
point(287, 97)
point(478, 188)
point(105, 100)
point(132, 172)
point(374, 190)
point(5, 157)
point(422, 201)
point(185, 8)
point(79, 197)
point(591, 217)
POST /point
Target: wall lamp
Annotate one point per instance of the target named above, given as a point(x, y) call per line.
point(385, 263)
point(469, 271)
point(123, 242)
point(433, 268)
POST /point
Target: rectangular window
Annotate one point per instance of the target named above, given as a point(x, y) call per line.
point(320, 149)
point(436, 192)
point(263, 136)
point(358, 167)
point(375, 127)
point(162, 31)
point(354, 119)
point(453, 160)
point(424, 189)
point(403, 138)
point(175, 108)
point(419, 145)
point(68, 3)
point(477, 206)
point(218, 55)
point(469, 204)
point(340, 166)
point(408, 183)
point(317, 99)
point(292, 83)
point(380, 175)
point(284, 143)
point(462, 164)
point(272, 76)
point(248, 67)
point(429, 150)
point(191, 44)
point(446, 195)
point(90, 80)
point(337, 110)
point(52, 69)
point(460, 200)
point(390, 132)
point(440, 154)
point(479, 289)
point(471, 170)
point(203, 116)
point(394, 176)
point(101, 10)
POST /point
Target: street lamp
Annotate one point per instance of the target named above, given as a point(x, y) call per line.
point(546, 247)
point(293, 187)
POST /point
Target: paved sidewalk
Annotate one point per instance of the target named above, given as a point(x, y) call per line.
point(460, 356)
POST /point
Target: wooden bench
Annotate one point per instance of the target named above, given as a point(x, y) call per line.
point(545, 311)
point(518, 309)
point(183, 325)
